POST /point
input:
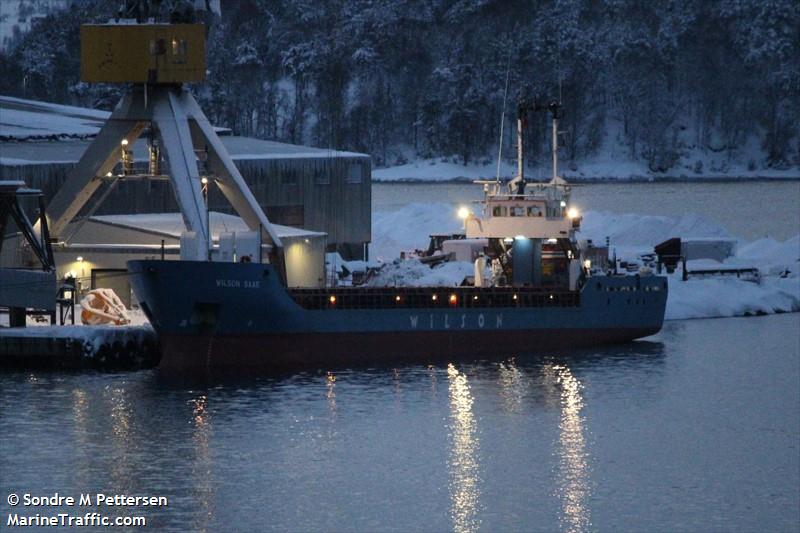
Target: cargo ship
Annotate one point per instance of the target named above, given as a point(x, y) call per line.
point(239, 315)
point(536, 288)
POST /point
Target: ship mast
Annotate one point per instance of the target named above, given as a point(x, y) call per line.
point(523, 108)
point(555, 110)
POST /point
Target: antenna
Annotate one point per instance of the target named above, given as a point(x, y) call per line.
point(558, 67)
point(503, 117)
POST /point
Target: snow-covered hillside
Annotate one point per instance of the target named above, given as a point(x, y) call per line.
point(613, 159)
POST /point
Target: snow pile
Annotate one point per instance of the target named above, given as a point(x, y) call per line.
point(408, 228)
point(721, 297)
point(646, 230)
point(771, 256)
point(631, 234)
point(412, 273)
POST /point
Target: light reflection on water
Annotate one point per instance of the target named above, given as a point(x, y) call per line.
point(80, 415)
point(464, 463)
point(330, 384)
point(573, 478)
point(120, 418)
point(696, 430)
point(514, 386)
point(202, 468)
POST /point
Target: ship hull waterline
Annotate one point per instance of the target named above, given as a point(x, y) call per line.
point(233, 316)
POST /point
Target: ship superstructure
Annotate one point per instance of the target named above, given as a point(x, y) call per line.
point(530, 227)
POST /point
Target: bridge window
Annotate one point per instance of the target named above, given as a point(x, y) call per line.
point(534, 211)
point(499, 211)
point(517, 211)
point(179, 50)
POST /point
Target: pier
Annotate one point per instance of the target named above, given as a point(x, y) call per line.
point(78, 348)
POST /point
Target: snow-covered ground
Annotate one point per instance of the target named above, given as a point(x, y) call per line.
point(605, 167)
point(631, 235)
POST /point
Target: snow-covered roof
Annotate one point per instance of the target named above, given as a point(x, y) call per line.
point(249, 148)
point(171, 224)
point(22, 119)
point(40, 123)
point(26, 119)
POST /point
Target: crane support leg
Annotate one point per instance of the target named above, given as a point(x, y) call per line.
point(173, 132)
point(100, 158)
point(230, 180)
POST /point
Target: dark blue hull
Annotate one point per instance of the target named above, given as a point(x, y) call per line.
point(239, 315)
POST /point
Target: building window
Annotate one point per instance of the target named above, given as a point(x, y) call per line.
point(355, 174)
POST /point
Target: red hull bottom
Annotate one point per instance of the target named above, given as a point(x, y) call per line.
point(330, 350)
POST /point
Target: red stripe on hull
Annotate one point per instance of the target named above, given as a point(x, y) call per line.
point(327, 350)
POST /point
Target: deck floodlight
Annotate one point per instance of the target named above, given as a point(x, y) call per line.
point(463, 212)
point(573, 213)
point(124, 142)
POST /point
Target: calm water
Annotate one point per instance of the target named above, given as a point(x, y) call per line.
point(697, 429)
point(749, 209)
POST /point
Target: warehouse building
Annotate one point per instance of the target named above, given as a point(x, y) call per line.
point(96, 257)
point(101, 246)
point(318, 190)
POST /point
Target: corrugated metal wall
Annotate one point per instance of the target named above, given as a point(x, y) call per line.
point(332, 195)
